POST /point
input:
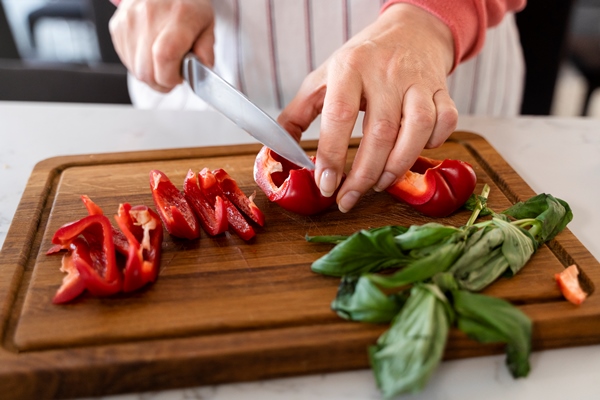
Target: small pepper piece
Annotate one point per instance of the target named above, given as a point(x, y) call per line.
point(212, 213)
point(119, 239)
point(568, 283)
point(290, 186)
point(233, 192)
point(435, 188)
point(172, 207)
point(90, 240)
point(210, 186)
point(143, 230)
point(72, 284)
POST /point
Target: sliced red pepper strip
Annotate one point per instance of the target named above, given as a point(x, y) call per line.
point(173, 208)
point(233, 192)
point(118, 237)
point(569, 285)
point(212, 214)
point(93, 254)
point(236, 221)
point(436, 188)
point(290, 186)
point(72, 284)
point(143, 230)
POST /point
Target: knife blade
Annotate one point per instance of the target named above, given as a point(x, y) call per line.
point(226, 99)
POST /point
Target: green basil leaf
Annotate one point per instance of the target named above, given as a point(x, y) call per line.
point(364, 251)
point(358, 299)
point(335, 239)
point(489, 320)
point(423, 268)
point(406, 355)
point(518, 245)
point(553, 213)
point(419, 236)
point(477, 201)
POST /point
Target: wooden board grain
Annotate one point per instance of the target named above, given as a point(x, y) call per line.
point(223, 309)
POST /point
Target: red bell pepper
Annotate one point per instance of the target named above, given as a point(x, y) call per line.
point(173, 208)
point(291, 187)
point(212, 213)
point(233, 192)
point(93, 253)
point(569, 285)
point(436, 188)
point(143, 230)
point(210, 186)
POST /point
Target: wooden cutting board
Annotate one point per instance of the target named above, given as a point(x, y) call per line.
point(222, 309)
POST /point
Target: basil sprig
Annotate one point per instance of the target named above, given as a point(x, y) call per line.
point(435, 270)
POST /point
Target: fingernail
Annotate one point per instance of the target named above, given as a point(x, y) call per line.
point(348, 201)
point(386, 179)
point(328, 182)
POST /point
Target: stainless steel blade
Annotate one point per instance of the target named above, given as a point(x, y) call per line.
point(211, 88)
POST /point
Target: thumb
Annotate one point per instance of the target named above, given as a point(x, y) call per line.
point(304, 108)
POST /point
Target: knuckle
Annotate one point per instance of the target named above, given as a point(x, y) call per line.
point(447, 119)
point(339, 111)
point(423, 118)
point(384, 132)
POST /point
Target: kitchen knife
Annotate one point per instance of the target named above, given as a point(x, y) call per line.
point(213, 89)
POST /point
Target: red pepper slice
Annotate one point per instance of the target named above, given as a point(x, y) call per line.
point(212, 214)
point(436, 188)
point(72, 284)
point(143, 230)
point(291, 187)
point(93, 254)
point(173, 208)
point(119, 239)
point(212, 190)
point(569, 285)
point(233, 192)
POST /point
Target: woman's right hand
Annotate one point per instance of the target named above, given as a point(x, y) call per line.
point(152, 36)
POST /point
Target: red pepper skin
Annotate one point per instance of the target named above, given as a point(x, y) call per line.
point(143, 230)
point(291, 187)
point(436, 188)
point(212, 214)
point(212, 190)
point(233, 192)
point(173, 208)
point(93, 253)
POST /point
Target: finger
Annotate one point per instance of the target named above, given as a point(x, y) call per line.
point(340, 110)
point(380, 132)
point(297, 116)
point(143, 66)
point(168, 50)
point(204, 46)
point(417, 125)
point(446, 121)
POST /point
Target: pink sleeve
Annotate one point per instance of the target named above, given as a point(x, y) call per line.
point(467, 19)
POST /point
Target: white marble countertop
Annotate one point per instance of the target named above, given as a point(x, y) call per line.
point(560, 156)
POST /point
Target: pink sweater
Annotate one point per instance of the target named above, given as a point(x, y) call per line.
point(467, 19)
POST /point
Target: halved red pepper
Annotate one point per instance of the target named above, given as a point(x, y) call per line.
point(210, 186)
point(173, 208)
point(93, 253)
point(212, 213)
point(436, 188)
point(143, 230)
point(290, 186)
point(233, 192)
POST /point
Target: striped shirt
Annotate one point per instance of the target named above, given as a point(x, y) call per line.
point(267, 47)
